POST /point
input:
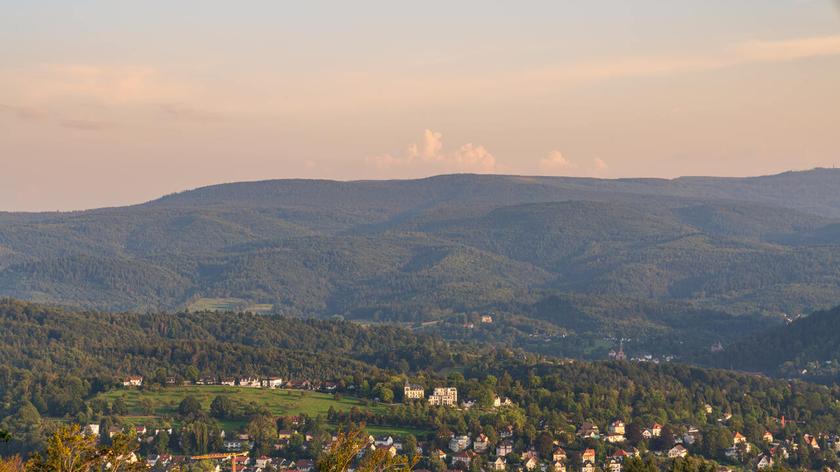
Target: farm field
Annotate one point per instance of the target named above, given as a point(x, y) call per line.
point(229, 304)
point(154, 407)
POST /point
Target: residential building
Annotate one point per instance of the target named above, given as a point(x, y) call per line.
point(463, 457)
point(587, 467)
point(413, 392)
point(271, 382)
point(677, 451)
point(133, 381)
point(499, 464)
point(504, 448)
point(459, 443)
point(481, 443)
point(588, 430)
point(444, 396)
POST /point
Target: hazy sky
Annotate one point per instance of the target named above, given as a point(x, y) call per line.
point(119, 101)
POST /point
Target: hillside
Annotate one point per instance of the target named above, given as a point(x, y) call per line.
point(808, 347)
point(638, 256)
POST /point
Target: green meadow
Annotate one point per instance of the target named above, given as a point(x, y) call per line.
point(155, 407)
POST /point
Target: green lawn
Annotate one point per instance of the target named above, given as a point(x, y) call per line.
point(229, 304)
point(280, 402)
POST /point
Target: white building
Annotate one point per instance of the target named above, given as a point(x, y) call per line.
point(445, 396)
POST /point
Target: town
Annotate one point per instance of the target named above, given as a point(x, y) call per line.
point(295, 443)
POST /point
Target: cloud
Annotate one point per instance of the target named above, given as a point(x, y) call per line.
point(791, 49)
point(428, 157)
point(743, 53)
point(555, 163)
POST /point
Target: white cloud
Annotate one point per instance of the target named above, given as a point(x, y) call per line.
point(555, 163)
point(428, 157)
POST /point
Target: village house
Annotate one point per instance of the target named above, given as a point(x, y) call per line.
point(531, 463)
point(383, 441)
point(459, 443)
point(114, 430)
point(486, 318)
point(558, 455)
point(764, 461)
point(229, 382)
point(413, 392)
point(614, 465)
point(588, 456)
point(767, 437)
point(499, 464)
point(304, 465)
point(262, 462)
point(133, 381)
point(559, 466)
point(677, 451)
point(481, 443)
point(500, 402)
point(91, 430)
point(271, 382)
point(691, 436)
point(504, 448)
point(588, 430)
point(506, 432)
point(444, 396)
point(616, 427)
point(810, 440)
point(587, 467)
point(249, 382)
point(232, 445)
point(738, 438)
point(656, 430)
point(463, 457)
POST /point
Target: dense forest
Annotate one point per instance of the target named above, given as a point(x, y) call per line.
point(808, 347)
point(645, 259)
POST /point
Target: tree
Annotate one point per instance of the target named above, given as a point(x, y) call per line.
point(162, 442)
point(349, 444)
point(545, 445)
point(264, 431)
point(68, 450)
point(221, 407)
point(12, 464)
point(410, 445)
point(189, 406)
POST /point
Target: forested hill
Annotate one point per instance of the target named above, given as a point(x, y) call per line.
point(624, 257)
point(808, 347)
point(56, 341)
point(56, 362)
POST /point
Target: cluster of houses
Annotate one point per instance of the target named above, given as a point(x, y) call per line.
point(463, 450)
point(445, 396)
point(252, 382)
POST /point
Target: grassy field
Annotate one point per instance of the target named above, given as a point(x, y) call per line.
point(229, 304)
point(164, 404)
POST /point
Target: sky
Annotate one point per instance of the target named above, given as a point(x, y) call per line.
point(114, 102)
